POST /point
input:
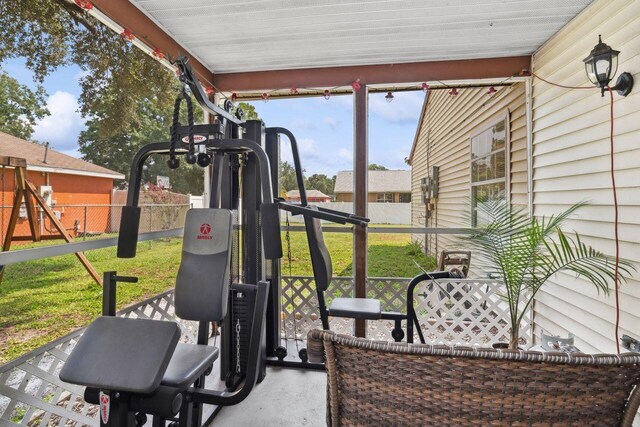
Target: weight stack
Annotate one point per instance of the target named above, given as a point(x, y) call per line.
point(243, 301)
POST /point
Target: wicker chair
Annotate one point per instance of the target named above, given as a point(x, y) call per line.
point(387, 383)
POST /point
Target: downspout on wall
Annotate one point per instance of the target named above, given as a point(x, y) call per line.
point(529, 117)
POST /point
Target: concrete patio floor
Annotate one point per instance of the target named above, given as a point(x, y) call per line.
point(286, 397)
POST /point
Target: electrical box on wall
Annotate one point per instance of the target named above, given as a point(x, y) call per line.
point(430, 185)
point(630, 344)
point(46, 191)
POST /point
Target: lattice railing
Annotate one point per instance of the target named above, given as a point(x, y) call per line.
point(468, 311)
point(300, 312)
point(463, 311)
point(31, 392)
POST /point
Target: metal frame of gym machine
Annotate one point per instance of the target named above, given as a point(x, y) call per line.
point(242, 180)
point(235, 184)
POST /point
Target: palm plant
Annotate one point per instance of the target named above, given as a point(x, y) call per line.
point(523, 253)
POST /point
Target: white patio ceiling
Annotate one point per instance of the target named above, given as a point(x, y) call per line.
point(256, 35)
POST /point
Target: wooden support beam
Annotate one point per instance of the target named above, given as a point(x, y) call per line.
point(60, 227)
point(381, 74)
point(360, 166)
point(13, 220)
point(127, 15)
point(21, 180)
point(14, 162)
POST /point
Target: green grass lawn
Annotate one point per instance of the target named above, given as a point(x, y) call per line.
point(46, 299)
point(390, 255)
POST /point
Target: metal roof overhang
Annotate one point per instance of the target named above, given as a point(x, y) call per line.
point(249, 46)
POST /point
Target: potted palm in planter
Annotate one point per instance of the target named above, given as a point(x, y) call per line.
point(522, 253)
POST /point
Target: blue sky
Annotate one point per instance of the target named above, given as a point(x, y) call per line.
point(323, 128)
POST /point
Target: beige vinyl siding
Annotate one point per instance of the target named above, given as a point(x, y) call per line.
point(448, 125)
point(571, 164)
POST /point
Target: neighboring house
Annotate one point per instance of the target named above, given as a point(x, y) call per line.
point(386, 186)
point(313, 196)
point(480, 146)
point(73, 183)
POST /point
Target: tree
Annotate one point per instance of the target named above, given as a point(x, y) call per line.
point(127, 95)
point(248, 110)
point(21, 107)
point(53, 33)
point(288, 180)
point(321, 182)
point(152, 124)
point(376, 167)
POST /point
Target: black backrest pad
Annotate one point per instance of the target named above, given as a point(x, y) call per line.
point(124, 354)
point(320, 258)
point(202, 285)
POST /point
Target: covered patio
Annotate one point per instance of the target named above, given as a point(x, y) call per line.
point(273, 50)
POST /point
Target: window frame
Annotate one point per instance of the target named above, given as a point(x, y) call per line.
point(384, 197)
point(485, 126)
point(408, 196)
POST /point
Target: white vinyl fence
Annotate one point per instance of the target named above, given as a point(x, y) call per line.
point(379, 213)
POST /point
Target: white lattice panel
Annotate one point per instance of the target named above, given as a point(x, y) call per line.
point(467, 312)
point(31, 392)
point(300, 312)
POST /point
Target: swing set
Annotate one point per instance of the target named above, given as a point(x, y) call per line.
point(25, 190)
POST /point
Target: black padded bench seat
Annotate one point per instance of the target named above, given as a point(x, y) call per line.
point(356, 308)
point(118, 353)
point(135, 355)
point(188, 362)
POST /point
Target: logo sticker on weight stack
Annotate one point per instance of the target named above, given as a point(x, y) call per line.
point(196, 139)
point(205, 231)
point(105, 405)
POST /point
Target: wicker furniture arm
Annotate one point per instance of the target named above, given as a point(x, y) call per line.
point(387, 383)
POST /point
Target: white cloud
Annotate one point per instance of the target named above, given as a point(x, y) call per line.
point(63, 126)
point(331, 122)
point(307, 149)
point(317, 159)
point(405, 107)
point(345, 154)
point(304, 124)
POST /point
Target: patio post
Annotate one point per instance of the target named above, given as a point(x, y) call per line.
point(360, 167)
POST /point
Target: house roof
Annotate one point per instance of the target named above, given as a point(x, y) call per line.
point(420, 121)
point(310, 194)
point(391, 181)
point(57, 162)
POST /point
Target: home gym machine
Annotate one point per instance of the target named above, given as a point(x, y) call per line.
point(135, 367)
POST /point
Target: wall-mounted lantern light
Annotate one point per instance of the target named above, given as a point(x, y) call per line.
point(601, 66)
